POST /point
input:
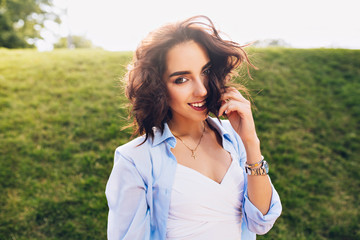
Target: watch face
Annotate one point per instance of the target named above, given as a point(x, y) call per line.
point(266, 166)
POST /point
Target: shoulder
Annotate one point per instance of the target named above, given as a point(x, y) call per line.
point(134, 149)
point(149, 159)
point(135, 155)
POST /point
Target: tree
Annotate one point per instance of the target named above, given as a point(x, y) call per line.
point(270, 43)
point(22, 20)
point(76, 42)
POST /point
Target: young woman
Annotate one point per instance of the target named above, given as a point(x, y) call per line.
point(189, 176)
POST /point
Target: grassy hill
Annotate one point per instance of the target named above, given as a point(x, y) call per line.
point(60, 118)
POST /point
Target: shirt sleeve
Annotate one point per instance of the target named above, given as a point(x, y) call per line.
point(256, 221)
point(126, 195)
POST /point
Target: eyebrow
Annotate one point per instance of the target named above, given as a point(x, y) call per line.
point(188, 72)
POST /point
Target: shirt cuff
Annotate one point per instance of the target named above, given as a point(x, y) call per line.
point(257, 222)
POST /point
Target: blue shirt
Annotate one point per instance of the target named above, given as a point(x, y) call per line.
point(139, 187)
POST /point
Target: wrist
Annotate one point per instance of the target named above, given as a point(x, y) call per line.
point(260, 168)
point(252, 143)
point(253, 151)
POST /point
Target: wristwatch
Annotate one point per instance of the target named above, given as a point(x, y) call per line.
point(259, 171)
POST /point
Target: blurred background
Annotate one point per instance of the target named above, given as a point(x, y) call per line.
point(62, 107)
point(120, 25)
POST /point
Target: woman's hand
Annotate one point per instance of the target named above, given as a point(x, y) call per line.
point(238, 111)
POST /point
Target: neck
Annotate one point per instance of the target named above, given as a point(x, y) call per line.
point(187, 129)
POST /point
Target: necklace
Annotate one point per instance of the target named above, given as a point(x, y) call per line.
point(193, 151)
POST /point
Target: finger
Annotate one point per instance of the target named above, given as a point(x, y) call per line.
point(232, 105)
point(233, 94)
point(228, 90)
point(227, 107)
point(238, 107)
point(235, 98)
point(223, 108)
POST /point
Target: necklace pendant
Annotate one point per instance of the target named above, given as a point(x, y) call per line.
point(193, 154)
point(193, 151)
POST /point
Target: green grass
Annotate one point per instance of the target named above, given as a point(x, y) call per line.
point(60, 118)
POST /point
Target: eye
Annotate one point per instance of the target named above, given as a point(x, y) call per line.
point(180, 80)
point(206, 72)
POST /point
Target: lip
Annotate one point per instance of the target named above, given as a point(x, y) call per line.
point(198, 108)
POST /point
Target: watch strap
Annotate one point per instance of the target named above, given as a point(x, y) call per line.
point(259, 171)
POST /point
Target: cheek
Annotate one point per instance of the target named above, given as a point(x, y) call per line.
point(176, 96)
point(173, 98)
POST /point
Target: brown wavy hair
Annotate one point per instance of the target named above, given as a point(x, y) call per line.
point(145, 87)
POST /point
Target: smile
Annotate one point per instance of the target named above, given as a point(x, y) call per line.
point(199, 106)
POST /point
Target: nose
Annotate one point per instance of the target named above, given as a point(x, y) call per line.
point(200, 88)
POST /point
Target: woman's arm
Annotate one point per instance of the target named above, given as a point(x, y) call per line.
point(126, 194)
point(254, 219)
point(259, 187)
point(238, 111)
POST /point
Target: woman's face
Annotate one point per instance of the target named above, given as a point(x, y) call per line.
point(186, 76)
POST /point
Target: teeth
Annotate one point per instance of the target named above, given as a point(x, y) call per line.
point(198, 104)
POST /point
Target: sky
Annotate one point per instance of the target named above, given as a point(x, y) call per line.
point(119, 25)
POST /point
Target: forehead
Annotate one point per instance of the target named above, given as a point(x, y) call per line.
point(187, 56)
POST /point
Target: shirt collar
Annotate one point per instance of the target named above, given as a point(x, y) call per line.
point(170, 138)
point(162, 137)
point(219, 127)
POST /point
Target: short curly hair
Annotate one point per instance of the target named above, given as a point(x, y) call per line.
point(145, 87)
